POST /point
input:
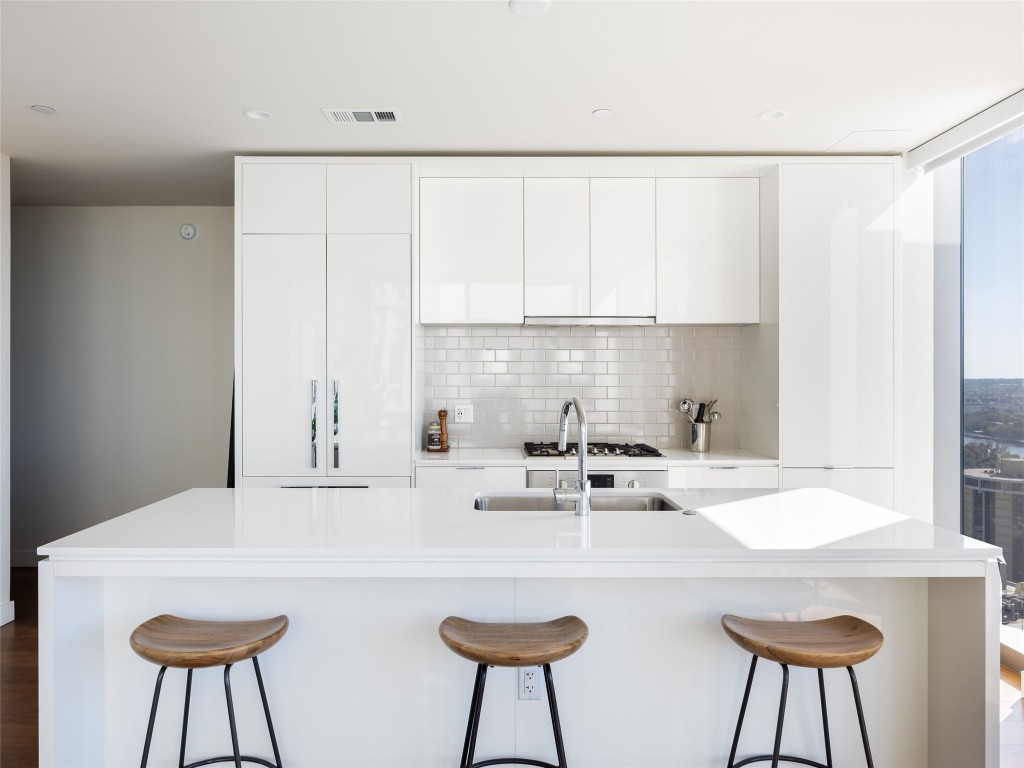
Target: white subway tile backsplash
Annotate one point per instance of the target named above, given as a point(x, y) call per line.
point(630, 378)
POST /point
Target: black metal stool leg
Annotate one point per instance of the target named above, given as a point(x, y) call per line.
point(231, 716)
point(266, 711)
point(474, 716)
point(743, 710)
point(860, 717)
point(782, 715)
point(556, 726)
point(152, 715)
point(184, 719)
point(824, 718)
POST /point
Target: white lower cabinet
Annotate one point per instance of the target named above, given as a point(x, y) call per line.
point(723, 477)
point(871, 485)
point(472, 478)
point(327, 482)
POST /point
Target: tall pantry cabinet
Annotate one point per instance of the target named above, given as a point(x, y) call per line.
point(836, 328)
point(324, 323)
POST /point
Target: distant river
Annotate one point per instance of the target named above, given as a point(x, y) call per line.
point(1016, 450)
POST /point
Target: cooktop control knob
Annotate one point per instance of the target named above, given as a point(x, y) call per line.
point(633, 484)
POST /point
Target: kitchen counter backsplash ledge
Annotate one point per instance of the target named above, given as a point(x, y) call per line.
point(629, 378)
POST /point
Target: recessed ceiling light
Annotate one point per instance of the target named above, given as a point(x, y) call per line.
point(42, 109)
point(529, 7)
point(773, 114)
point(601, 113)
point(258, 114)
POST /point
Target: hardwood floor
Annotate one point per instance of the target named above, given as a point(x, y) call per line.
point(19, 693)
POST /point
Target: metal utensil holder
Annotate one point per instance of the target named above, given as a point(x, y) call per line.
point(700, 437)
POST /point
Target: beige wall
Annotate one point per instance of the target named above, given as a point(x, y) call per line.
point(121, 362)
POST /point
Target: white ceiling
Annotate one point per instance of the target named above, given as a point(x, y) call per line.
point(149, 95)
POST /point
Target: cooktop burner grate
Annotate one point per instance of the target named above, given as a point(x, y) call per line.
point(633, 450)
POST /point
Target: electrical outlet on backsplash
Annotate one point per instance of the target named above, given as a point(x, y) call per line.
point(630, 378)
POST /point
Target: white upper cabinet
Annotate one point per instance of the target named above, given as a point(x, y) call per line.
point(284, 198)
point(471, 250)
point(283, 298)
point(369, 337)
point(557, 247)
point(622, 248)
point(708, 251)
point(836, 315)
point(369, 199)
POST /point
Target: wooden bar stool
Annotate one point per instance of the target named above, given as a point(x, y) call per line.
point(512, 645)
point(190, 644)
point(841, 641)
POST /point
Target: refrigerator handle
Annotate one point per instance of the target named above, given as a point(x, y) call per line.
point(313, 413)
point(337, 428)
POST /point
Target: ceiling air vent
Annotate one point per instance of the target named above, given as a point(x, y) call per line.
point(362, 115)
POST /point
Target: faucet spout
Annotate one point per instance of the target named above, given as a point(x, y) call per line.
point(581, 493)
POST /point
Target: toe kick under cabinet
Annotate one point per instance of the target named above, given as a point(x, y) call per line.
point(323, 325)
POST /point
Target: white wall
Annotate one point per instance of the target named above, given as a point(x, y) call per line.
point(6, 606)
point(121, 362)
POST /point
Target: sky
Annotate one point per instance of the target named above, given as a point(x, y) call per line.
point(993, 246)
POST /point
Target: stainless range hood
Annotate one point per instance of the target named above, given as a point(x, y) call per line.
point(587, 320)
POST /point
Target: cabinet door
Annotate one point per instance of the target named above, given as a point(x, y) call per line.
point(622, 253)
point(472, 478)
point(871, 485)
point(724, 477)
point(369, 354)
point(284, 198)
point(369, 199)
point(471, 250)
point(836, 315)
point(709, 264)
point(556, 231)
point(284, 315)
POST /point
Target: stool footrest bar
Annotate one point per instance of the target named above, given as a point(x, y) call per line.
point(513, 761)
point(782, 759)
point(231, 759)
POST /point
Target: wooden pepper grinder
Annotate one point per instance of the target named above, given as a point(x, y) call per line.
point(442, 415)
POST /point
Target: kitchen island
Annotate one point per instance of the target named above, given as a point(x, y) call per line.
point(365, 576)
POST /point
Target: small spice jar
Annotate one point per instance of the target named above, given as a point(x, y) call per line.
point(434, 436)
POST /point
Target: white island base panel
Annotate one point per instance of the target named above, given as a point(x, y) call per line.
point(362, 679)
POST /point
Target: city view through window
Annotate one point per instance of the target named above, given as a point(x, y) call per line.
point(993, 357)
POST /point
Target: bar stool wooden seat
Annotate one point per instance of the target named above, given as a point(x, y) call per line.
point(840, 641)
point(171, 641)
point(538, 644)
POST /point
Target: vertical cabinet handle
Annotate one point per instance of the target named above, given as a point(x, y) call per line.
point(337, 446)
point(312, 462)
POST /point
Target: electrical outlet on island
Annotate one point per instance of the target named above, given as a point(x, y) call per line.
point(463, 414)
point(529, 683)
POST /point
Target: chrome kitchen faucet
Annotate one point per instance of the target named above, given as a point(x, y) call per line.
point(580, 495)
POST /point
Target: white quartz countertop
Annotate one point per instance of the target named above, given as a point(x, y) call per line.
point(674, 457)
point(420, 526)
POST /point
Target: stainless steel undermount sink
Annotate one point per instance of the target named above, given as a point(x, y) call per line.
point(545, 502)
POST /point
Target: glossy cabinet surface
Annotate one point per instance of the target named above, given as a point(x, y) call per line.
point(472, 478)
point(284, 314)
point(369, 355)
point(556, 232)
point(871, 485)
point(471, 250)
point(622, 247)
point(708, 251)
point(284, 198)
point(726, 476)
point(836, 315)
point(374, 198)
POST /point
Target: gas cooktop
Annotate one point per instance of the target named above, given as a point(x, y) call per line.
point(635, 450)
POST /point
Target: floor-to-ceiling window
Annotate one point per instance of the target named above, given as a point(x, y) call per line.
point(993, 356)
